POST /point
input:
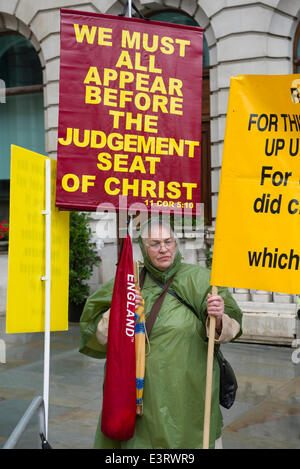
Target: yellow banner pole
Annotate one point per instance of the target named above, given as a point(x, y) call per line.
point(209, 375)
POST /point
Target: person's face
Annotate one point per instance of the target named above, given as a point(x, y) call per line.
point(161, 247)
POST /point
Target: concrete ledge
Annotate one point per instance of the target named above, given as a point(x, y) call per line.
point(254, 339)
point(270, 307)
point(269, 327)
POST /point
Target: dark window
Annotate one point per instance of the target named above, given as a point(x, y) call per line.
point(297, 51)
point(21, 105)
point(173, 16)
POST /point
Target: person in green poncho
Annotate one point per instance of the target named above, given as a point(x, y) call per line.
point(175, 371)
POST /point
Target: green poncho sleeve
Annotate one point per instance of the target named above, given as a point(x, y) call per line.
point(192, 284)
point(95, 307)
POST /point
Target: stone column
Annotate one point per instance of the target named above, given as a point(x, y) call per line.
point(282, 298)
point(201, 256)
point(241, 294)
point(261, 296)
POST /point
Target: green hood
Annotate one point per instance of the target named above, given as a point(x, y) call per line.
point(162, 276)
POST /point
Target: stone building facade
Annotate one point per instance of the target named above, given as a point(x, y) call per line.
point(241, 37)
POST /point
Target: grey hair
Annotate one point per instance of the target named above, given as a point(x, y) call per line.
point(155, 221)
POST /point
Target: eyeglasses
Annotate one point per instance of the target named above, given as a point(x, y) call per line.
point(156, 245)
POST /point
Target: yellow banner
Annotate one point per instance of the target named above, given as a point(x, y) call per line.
point(26, 290)
point(257, 238)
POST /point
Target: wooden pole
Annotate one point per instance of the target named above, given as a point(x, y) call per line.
point(139, 348)
point(209, 375)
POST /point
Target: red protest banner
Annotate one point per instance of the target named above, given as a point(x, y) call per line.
point(119, 394)
point(129, 112)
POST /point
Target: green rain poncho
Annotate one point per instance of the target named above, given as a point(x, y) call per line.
point(175, 375)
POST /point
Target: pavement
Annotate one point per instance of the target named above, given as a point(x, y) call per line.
point(266, 414)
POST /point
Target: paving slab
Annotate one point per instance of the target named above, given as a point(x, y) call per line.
point(266, 414)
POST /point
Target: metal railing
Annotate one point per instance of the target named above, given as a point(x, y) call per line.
point(37, 405)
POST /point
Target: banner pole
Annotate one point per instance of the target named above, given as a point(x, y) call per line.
point(209, 375)
point(129, 9)
point(47, 279)
point(136, 273)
